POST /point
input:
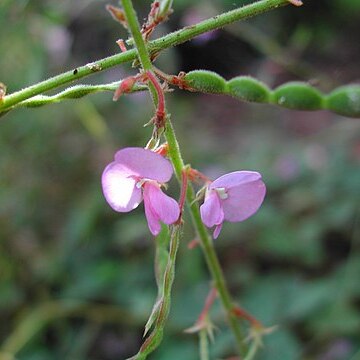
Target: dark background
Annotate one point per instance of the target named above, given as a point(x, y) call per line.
point(76, 278)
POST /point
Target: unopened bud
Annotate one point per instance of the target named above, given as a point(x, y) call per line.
point(125, 87)
point(117, 14)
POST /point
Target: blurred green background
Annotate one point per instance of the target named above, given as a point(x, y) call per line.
point(76, 278)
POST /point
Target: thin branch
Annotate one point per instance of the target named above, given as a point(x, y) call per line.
point(172, 39)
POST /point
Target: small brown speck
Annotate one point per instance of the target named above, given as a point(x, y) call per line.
point(94, 67)
point(75, 71)
point(2, 91)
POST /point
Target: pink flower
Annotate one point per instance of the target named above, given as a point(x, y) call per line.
point(232, 197)
point(138, 174)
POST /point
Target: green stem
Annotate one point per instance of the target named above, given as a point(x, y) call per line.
point(75, 92)
point(206, 242)
point(176, 159)
point(172, 39)
point(252, 351)
point(204, 345)
point(134, 27)
point(65, 78)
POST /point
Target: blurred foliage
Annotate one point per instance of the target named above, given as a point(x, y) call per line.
point(76, 279)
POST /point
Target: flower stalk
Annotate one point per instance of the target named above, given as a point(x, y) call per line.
point(205, 241)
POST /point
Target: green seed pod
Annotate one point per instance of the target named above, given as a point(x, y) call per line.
point(345, 101)
point(205, 81)
point(76, 92)
point(37, 101)
point(248, 89)
point(298, 95)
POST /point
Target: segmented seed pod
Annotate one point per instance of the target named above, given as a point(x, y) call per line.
point(345, 101)
point(37, 101)
point(205, 81)
point(248, 89)
point(298, 96)
point(76, 92)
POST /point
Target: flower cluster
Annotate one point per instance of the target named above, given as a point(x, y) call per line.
point(138, 174)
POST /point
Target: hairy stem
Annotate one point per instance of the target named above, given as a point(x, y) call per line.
point(134, 27)
point(206, 242)
point(172, 39)
point(176, 159)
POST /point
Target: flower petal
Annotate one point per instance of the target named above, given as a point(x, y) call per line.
point(235, 178)
point(119, 189)
point(211, 210)
point(145, 163)
point(217, 230)
point(152, 219)
point(151, 215)
point(165, 207)
point(244, 199)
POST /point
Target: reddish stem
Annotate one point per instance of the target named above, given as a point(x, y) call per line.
point(153, 20)
point(208, 304)
point(196, 175)
point(193, 244)
point(160, 110)
point(176, 80)
point(162, 149)
point(241, 313)
point(121, 44)
point(154, 9)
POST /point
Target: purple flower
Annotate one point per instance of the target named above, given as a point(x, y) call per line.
point(138, 174)
point(232, 197)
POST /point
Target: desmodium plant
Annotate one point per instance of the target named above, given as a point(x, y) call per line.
point(141, 173)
